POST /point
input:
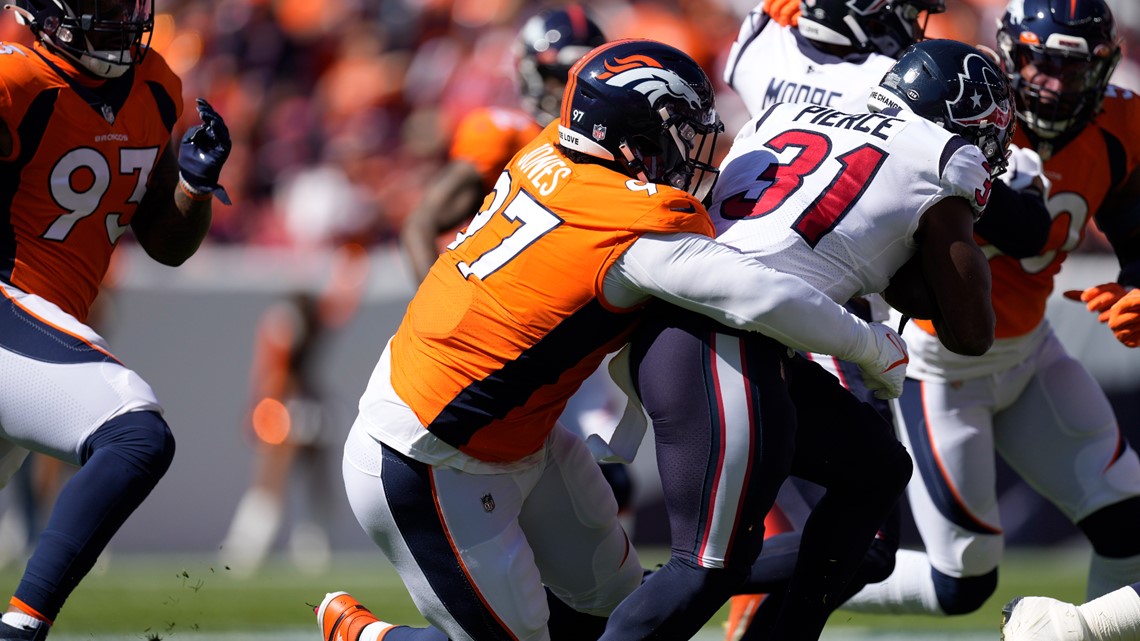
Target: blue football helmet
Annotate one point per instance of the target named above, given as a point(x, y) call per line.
point(548, 44)
point(647, 108)
point(958, 87)
point(103, 37)
point(1059, 55)
point(884, 26)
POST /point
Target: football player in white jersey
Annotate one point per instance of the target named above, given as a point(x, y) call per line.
point(832, 56)
point(842, 200)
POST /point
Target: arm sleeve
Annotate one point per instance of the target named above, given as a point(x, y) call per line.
point(1017, 223)
point(710, 278)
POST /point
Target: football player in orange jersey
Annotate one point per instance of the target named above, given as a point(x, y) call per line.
point(485, 140)
point(86, 116)
point(494, 515)
point(1027, 399)
point(546, 46)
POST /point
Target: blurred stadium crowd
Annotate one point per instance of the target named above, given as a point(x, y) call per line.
point(341, 110)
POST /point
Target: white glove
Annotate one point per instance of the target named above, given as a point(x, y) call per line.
point(884, 363)
point(1026, 171)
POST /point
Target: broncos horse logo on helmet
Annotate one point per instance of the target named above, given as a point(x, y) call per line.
point(647, 76)
point(646, 109)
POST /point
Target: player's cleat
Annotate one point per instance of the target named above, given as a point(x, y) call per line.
point(20, 633)
point(343, 618)
point(1035, 618)
point(741, 611)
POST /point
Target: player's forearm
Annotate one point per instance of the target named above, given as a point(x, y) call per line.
point(701, 275)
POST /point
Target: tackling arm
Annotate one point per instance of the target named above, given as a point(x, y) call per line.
point(454, 196)
point(746, 294)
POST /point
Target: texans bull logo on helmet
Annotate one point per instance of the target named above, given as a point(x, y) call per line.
point(975, 104)
point(649, 78)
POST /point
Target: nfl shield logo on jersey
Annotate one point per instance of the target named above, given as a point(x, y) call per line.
point(488, 503)
point(599, 132)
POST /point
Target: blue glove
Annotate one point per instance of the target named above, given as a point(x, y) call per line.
point(204, 150)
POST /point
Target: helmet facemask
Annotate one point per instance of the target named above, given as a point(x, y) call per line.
point(1059, 91)
point(680, 153)
point(900, 25)
point(104, 37)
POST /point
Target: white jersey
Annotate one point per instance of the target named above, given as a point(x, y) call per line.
point(770, 63)
point(836, 198)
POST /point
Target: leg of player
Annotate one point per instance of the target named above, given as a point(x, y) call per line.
point(1112, 617)
point(77, 403)
point(514, 555)
point(845, 446)
point(744, 607)
point(1063, 412)
point(722, 455)
point(751, 613)
point(121, 463)
point(947, 430)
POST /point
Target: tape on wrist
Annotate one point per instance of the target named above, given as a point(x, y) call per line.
point(192, 192)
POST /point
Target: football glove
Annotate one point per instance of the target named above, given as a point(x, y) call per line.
point(784, 12)
point(1099, 298)
point(1124, 319)
point(886, 371)
point(204, 150)
point(1025, 171)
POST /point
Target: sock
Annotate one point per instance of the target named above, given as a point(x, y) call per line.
point(21, 620)
point(375, 631)
point(1107, 574)
point(1114, 616)
point(388, 632)
point(908, 590)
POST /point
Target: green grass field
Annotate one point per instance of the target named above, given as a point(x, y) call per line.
point(191, 597)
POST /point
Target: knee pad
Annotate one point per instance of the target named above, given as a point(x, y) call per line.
point(1114, 530)
point(963, 595)
point(143, 439)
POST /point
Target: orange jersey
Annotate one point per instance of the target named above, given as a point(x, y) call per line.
point(1084, 172)
point(79, 167)
point(511, 319)
point(489, 137)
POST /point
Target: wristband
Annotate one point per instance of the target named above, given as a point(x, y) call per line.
point(192, 192)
